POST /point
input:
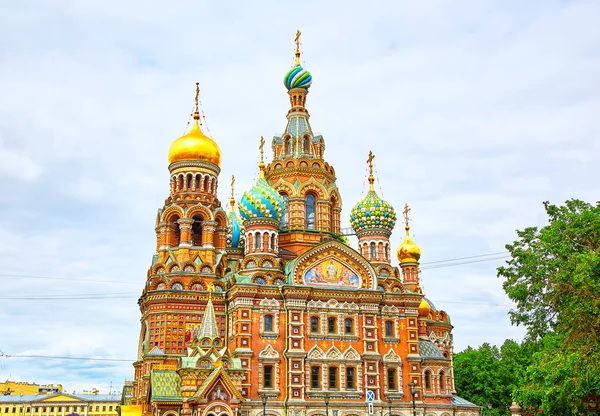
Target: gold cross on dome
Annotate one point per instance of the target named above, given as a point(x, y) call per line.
point(297, 40)
point(405, 212)
point(197, 95)
point(232, 183)
point(261, 147)
point(370, 162)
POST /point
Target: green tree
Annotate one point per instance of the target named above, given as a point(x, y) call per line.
point(553, 277)
point(490, 375)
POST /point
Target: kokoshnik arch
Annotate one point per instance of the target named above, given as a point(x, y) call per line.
point(272, 303)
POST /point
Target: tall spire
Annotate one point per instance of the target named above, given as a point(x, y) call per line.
point(371, 177)
point(208, 328)
point(297, 40)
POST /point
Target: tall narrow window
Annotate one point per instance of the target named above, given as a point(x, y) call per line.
point(350, 378)
point(442, 382)
point(427, 380)
point(389, 329)
point(305, 146)
point(268, 323)
point(257, 241)
point(391, 373)
point(373, 251)
point(285, 213)
point(314, 324)
point(268, 377)
point(315, 377)
point(197, 231)
point(332, 325)
point(310, 212)
point(333, 377)
point(349, 326)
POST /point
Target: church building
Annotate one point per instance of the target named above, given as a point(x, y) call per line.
point(265, 307)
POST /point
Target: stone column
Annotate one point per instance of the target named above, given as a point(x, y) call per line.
point(221, 240)
point(515, 409)
point(185, 232)
point(208, 234)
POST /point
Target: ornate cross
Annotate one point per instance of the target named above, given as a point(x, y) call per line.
point(405, 212)
point(370, 162)
point(297, 40)
point(261, 147)
point(197, 94)
point(232, 183)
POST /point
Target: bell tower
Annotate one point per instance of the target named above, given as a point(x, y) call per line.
point(300, 174)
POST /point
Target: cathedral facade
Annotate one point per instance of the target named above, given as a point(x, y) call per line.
point(265, 307)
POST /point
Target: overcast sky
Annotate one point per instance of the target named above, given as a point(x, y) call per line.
point(476, 112)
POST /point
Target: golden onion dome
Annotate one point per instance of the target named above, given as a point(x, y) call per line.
point(195, 145)
point(424, 308)
point(408, 251)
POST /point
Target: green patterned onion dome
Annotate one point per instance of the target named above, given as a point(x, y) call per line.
point(261, 201)
point(297, 77)
point(373, 212)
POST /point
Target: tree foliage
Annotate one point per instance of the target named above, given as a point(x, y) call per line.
point(490, 375)
point(553, 276)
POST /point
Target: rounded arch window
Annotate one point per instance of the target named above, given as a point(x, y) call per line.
point(285, 211)
point(177, 286)
point(427, 380)
point(259, 280)
point(197, 287)
point(161, 286)
point(311, 211)
point(197, 231)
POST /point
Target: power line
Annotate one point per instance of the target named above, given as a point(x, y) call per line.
point(469, 257)
point(73, 296)
point(65, 357)
point(440, 266)
point(71, 279)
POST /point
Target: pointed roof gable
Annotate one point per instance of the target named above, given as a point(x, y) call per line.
point(217, 374)
point(208, 328)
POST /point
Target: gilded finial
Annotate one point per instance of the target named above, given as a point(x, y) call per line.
point(405, 212)
point(370, 162)
point(261, 147)
point(211, 288)
point(196, 111)
point(297, 40)
point(232, 199)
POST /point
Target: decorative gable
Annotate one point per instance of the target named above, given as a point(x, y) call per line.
point(392, 357)
point(316, 353)
point(268, 353)
point(333, 264)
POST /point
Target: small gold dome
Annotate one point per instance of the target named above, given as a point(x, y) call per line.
point(424, 308)
point(408, 251)
point(195, 145)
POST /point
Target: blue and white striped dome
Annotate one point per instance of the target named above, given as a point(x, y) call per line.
point(261, 201)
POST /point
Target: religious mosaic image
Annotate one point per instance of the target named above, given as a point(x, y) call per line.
point(331, 272)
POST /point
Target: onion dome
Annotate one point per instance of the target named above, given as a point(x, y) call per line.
point(195, 145)
point(372, 211)
point(408, 251)
point(261, 201)
point(424, 308)
point(297, 77)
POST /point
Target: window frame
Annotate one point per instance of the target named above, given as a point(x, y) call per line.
point(333, 378)
point(352, 385)
point(332, 323)
point(315, 377)
point(270, 380)
point(351, 326)
point(315, 325)
point(310, 221)
point(392, 379)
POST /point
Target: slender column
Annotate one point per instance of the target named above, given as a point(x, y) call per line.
point(208, 234)
point(185, 231)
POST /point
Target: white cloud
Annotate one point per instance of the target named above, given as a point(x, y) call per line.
point(476, 112)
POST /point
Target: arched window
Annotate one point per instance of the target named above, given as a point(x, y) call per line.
point(389, 329)
point(332, 325)
point(175, 233)
point(332, 219)
point(442, 382)
point(257, 241)
point(197, 182)
point(310, 212)
point(349, 326)
point(268, 323)
point(197, 231)
point(314, 324)
point(273, 242)
point(373, 251)
point(305, 145)
point(427, 380)
point(189, 181)
point(290, 147)
point(285, 213)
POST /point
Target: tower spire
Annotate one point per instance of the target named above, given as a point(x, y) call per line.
point(371, 177)
point(297, 40)
point(208, 327)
